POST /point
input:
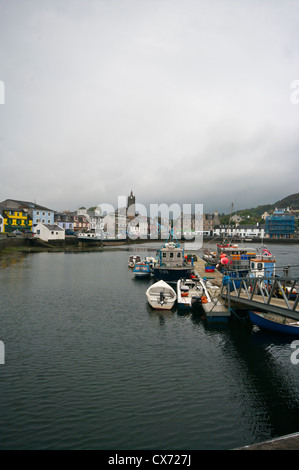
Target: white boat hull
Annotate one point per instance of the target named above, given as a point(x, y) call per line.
point(161, 296)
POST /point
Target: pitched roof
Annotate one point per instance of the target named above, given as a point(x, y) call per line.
point(27, 204)
point(51, 227)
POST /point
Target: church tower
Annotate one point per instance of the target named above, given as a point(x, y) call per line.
point(131, 206)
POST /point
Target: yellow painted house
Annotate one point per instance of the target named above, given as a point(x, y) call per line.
point(15, 219)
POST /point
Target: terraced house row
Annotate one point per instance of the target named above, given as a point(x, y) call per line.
point(25, 217)
point(29, 217)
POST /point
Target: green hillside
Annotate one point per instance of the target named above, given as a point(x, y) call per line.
point(254, 214)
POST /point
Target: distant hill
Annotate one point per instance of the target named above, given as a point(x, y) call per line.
point(290, 201)
point(255, 213)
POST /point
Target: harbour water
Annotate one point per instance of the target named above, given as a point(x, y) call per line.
point(89, 365)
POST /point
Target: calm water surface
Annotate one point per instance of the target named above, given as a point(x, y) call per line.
point(90, 366)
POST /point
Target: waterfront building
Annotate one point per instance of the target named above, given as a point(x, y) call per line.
point(36, 212)
point(81, 224)
point(1, 223)
point(210, 221)
point(48, 232)
point(95, 221)
point(280, 224)
point(15, 219)
point(64, 220)
point(241, 231)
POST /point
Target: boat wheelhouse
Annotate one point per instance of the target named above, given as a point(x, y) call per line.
point(263, 264)
point(171, 265)
point(234, 260)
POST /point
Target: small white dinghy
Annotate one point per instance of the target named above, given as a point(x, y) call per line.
point(161, 296)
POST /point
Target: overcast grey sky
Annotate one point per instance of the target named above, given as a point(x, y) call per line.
point(183, 101)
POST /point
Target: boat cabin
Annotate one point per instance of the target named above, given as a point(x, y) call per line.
point(171, 255)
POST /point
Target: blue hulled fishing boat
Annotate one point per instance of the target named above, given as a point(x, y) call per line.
point(171, 265)
point(273, 322)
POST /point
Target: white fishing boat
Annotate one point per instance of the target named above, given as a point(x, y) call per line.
point(189, 293)
point(161, 296)
point(90, 236)
point(133, 259)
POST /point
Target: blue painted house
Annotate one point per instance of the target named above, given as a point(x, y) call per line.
point(280, 224)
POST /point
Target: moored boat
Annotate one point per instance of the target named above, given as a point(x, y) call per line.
point(161, 296)
point(142, 269)
point(90, 236)
point(189, 293)
point(133, 259)
point(171, 264)
point(274, 322)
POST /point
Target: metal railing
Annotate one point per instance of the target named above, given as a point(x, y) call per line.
point(273, 294)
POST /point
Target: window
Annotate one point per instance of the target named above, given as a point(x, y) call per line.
point(38, 232)
point(37, 213)
point(52, 233)
point(164, 255)
point(178, 255)
point(171, 255)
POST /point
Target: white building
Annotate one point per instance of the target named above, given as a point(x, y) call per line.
point(96, 221)
point(48, 232)
point(242, 231)
point(138, 227)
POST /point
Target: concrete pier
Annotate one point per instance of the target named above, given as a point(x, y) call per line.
point(217, 310)
point(288, 442)
point(215, 277)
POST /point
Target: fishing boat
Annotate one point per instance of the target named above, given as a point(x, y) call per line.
point(161, 296)
point(151, 261)
point(171, 264)
point(189, 293)
point(142, 269)
point(97, 236)
point(263, 264)
point(133, 259)
point(274, 322)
